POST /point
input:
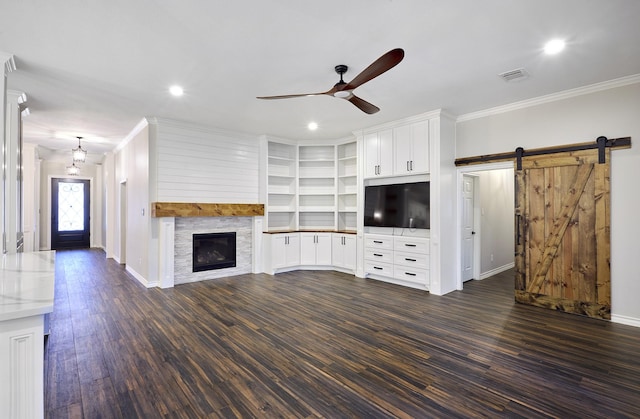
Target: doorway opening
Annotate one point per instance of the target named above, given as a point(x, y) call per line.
point(489, 212)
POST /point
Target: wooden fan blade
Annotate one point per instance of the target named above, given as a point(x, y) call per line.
point(363, 105)
point(379, 66)
point(289, 96)
point(328, 92)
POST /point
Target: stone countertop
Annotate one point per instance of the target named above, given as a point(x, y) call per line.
point(26, 284)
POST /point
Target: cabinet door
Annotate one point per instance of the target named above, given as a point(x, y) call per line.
point(308, 248)
point(323, 249)
point(385, 147)
point(337, 250)
point(402, 150)
point(371, 153)
point(278, 247)
point(292, 250)
point(420, 147)
point(350, 254)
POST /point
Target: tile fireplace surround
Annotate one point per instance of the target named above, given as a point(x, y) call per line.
point(178, 223)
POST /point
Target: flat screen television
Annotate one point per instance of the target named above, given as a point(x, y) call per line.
point(403, 205)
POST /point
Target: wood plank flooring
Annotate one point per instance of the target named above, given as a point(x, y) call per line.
point(324, 344)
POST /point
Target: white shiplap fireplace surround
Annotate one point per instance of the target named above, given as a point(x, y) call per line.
point(176, 238)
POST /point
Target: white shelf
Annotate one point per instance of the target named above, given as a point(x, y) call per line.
point(311, 186)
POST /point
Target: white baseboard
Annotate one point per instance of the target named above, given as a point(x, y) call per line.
point(495, 271)
point(141, 279)
point(629, 321)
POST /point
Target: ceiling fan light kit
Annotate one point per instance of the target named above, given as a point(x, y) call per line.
point(343, 90)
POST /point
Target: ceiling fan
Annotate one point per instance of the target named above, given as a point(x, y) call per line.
point(344, 90)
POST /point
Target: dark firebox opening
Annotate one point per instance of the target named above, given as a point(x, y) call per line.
point(214, 251)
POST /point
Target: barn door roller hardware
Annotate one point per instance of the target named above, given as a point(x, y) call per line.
point(601, 143)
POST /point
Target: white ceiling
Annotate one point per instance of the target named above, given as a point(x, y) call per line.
point(95, 68)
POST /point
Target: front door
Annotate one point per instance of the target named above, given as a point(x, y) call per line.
point(562, 233)
point(69, 213)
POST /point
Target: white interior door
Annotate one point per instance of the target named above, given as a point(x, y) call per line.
point(468, 233)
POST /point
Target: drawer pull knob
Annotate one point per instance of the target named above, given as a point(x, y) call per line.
point(377, 267)
point(410, 260)
point(410, 274)
point(377, 241)
point(377, 254)
point(410, 245)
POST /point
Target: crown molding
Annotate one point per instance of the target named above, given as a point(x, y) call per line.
point(566, 94)
point(404, 121)
point(8, 61)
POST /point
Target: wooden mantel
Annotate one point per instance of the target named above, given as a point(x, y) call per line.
point(194, 209)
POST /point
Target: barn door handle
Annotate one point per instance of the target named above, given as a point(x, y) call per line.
point(518, 229)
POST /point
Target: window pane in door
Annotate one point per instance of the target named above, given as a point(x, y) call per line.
point(70, 206)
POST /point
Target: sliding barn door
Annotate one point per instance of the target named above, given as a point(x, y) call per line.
point(562, 232)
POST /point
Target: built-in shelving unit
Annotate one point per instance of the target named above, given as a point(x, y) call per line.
point(281, 186)
point(316, 187)
point(347, 193)
point(311, 187)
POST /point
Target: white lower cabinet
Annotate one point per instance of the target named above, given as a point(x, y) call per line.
point(343, 251)
point(403, 260)
point(315, 248)
point(281, 251)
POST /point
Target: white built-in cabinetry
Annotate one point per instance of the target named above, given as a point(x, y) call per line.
point(280, 251)
point(411, 148)
point(398, 259)
point(378, 153)
point(315, 248)
point(414, 149)
point(311, 206)
point(343, 251)
point(397, 151)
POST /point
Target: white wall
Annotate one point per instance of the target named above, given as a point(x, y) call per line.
point(572, 119)
point(496, 220)
point(200, 164)
point(128, 210)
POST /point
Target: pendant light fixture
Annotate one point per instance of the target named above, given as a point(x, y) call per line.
point(79, 155)
point(73, 170)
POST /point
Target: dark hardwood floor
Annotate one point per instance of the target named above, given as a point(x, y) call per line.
point(323, 344)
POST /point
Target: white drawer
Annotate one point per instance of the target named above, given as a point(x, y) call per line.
point(411, 244)
point(385, 269)
point(378, 255)
point(420, 276)
point(415, 260)
point(378, 242)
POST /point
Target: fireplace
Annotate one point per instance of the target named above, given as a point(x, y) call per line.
point(214, 251)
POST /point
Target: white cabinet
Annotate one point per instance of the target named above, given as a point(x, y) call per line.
point(315, 248)
point(411, 260)
point(398, 151)
point(280, 251)
point(402, 260)
point(343, 251)
point(378, 154)
point(411, 148)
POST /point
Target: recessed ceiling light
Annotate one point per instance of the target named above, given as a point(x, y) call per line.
point(176, 90)
point(554, 46)
point(312, 126)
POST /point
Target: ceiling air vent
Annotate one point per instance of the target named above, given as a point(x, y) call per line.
point(517, 74)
